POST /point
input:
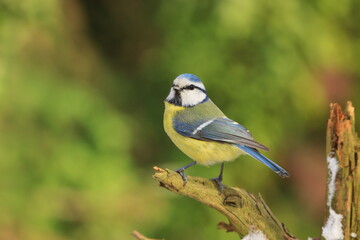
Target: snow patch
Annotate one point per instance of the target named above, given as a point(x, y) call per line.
point(333, 226)
point(333, 167)
point(353, 235)
point(255, 235)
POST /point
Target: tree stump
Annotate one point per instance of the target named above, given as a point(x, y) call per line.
point(343, 202)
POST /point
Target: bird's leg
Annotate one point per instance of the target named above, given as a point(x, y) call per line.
point(181, 171)
point(219, 179)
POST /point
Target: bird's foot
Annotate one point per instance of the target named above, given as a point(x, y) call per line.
point(219, 183)
point(183, 175)
point(182, 169)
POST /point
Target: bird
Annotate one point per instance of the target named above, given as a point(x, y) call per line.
point(204, 133)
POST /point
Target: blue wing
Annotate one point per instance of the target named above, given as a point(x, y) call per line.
point(219, 130)
point(258, 156)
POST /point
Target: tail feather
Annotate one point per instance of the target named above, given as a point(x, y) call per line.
point(258, 156)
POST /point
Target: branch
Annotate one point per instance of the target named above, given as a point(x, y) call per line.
point(343, 149)
point(247, 213)
point(139, 236)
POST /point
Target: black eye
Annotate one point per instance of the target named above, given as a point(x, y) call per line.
point(191, 87)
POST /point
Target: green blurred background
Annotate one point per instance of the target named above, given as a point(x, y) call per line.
point(82, 84)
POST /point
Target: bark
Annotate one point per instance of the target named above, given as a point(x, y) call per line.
point(343, 144)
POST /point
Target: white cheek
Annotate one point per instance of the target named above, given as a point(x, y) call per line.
point(171, 95)
point(192, 97)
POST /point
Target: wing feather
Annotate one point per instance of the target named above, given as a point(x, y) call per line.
point(220, 130)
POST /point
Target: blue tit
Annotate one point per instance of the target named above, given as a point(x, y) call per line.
point(203, 132)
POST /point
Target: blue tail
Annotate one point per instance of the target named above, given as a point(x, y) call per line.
point(258, 156)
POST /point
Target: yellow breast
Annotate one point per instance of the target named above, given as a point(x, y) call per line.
point(204, 152)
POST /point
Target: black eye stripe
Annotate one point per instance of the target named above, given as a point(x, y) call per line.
point(192, 87)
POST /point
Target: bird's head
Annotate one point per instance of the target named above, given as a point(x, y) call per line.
point(187, 91)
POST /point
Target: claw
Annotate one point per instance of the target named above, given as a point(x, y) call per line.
point(219, 179)
point(183, 176)
point(219, 183)
point(181, 171)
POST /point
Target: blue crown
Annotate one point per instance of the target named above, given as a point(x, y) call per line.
point(190, 77)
